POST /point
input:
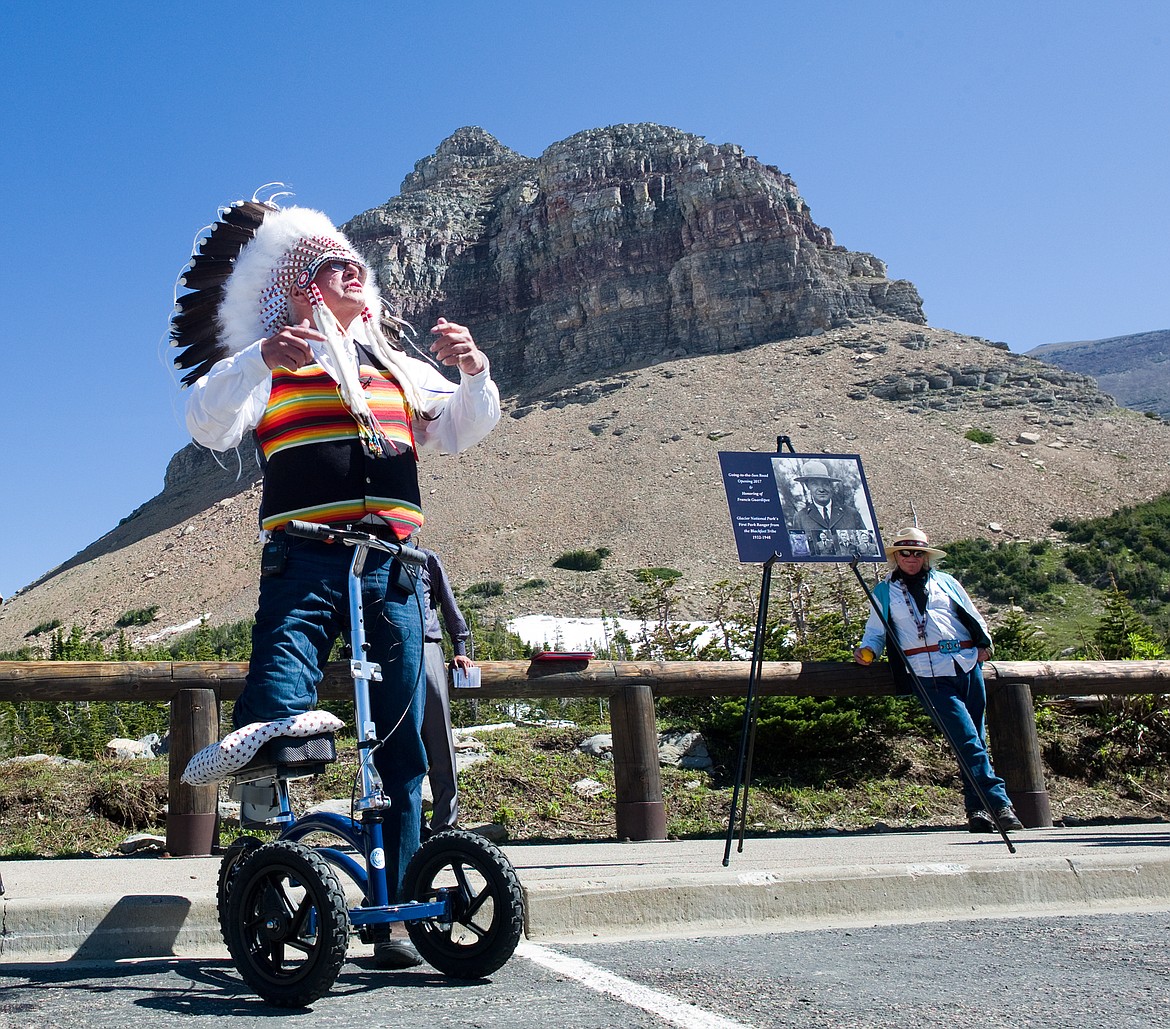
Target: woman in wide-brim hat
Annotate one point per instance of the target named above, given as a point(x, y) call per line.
point(914, 540)
point(943, 641)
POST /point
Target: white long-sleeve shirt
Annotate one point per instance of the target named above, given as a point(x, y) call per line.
point(228, 402)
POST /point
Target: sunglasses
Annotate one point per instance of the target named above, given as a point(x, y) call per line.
point(338, 267)
point(909, 553)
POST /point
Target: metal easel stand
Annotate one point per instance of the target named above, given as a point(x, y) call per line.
point(751, 707)
point(894, 647)
point(747, 740)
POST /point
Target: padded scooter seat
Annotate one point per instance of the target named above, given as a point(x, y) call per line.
point(239, 749)
point(288, 751)
point(289, 758)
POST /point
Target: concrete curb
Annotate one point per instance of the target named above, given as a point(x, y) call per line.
point(848, 896)
point(105, 909)
point(109, 928)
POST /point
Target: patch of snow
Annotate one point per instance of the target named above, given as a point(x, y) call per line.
point(172, 630)
point(594, 634)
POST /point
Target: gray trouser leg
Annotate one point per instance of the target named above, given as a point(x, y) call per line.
point(439, 743)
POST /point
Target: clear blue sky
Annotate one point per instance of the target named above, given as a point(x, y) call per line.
point(1009, 157)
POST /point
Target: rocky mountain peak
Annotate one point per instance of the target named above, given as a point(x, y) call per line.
point(467, 155)
point(617, 247)
point(1135, 368)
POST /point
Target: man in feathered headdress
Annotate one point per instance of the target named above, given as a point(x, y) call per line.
point(285, 338)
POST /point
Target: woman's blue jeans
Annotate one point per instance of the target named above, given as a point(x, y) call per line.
point(301, 612)
point(961, 701)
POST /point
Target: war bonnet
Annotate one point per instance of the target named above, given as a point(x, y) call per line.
point(240, 278)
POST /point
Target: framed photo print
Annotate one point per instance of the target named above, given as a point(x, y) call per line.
point(800, 507)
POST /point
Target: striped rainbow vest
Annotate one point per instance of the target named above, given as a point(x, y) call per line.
point(315, 466)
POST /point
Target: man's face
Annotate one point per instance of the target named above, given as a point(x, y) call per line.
point(822, 491)
point(342, 286)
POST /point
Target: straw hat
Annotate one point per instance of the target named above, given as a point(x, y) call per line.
point(912, 538)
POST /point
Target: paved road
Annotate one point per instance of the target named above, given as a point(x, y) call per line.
point(1080, 972)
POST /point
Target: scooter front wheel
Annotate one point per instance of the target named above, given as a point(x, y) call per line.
point(487, 906)
point(287, 924)
point(233, 860)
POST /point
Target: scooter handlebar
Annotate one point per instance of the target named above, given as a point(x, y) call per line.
point(328, 534)
point(411, 555)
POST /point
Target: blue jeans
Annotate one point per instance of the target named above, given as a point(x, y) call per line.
point(302, 611)
point(960, 701)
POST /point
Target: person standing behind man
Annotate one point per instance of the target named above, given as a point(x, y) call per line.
point(440, 609)
point(945, 642)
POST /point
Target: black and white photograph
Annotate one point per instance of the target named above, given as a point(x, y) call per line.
point(825, 504)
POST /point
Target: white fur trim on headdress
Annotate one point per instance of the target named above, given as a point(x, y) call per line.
point(289, 241)
point(286, 248)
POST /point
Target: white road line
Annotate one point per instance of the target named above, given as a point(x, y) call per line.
point(669, 1008)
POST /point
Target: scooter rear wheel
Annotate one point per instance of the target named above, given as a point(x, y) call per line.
point(487, 906)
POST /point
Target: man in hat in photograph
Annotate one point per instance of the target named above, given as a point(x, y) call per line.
point(944, 641)
point(289, 347)
point(827, 504)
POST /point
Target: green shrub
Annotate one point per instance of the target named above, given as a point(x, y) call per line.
point(485, 589)
point(36, 630)
point(1005, 572)
point(137, 616)
point(1016, 639)
point(647, 574)
point(1126, 550)
point(979, 436)
point(582, 560)
point(215, 643)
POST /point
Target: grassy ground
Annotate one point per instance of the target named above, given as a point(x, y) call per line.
point(1068, 616)
point(529, 786)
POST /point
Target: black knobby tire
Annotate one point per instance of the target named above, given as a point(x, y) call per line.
point(487, 916)
point(287, 926)
point(229, 867)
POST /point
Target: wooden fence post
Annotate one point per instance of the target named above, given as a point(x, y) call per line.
point(191, 810)
point(641, 814)
point(1015, 751)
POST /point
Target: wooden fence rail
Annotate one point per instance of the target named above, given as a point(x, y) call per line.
point(195, 689)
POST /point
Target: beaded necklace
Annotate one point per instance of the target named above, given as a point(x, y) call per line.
point(919, 620)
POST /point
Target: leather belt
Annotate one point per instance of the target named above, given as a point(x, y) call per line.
point(933, 648)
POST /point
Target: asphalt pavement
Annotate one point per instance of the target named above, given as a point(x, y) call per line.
point(155, 906)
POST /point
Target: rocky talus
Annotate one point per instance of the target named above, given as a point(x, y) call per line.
point(629, 461)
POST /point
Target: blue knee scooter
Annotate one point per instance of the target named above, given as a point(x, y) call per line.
point(282, 909)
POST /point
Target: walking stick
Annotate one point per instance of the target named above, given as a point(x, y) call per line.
point(920, 691)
